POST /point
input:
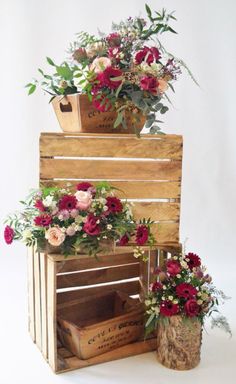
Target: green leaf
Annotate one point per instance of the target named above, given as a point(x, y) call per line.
point(31, 89)
point(118, 120)
point(148, 10)
point(50, 61)
point(171, 30)
point(65, 72)
point(118, 90)
point(164, 109)
point(151, 318)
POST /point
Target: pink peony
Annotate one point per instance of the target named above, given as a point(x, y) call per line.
point(55, 236)
point(8, 234)
point(84, 200)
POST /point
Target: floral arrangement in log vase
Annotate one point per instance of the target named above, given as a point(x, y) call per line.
point(125, 74)
point(88, 220)
point(178, 303)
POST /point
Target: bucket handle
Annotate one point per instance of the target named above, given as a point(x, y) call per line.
point(65, 107)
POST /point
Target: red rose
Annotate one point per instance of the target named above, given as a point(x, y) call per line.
point(141, 235)
point(43, 220)
point(123, 240)
point(8, 234)
point(157, 286)
point(114, 204)
point(84, 186)
point(90, 226)
point(173, 267)
point(114, 39)
point(39, 205)
point(191, 308)
point(147, 54)
point(185, 290)
point(105, 78)
point(193, 260)
point(168, 308)
point(149, 83)
point(67, 202)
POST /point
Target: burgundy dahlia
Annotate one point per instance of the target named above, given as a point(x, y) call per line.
point(114, 204)
point(141, 235)
point(43, 220)
point(168, 308)
point(173, 267)
point(191, 308)
point(193, 260)
point(9, 234)
point(67, 202)
point(185, 290)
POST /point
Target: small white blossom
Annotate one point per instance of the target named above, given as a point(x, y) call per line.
point(109, 227)
point(147, 302)
point(199, 302)
point(170, 298)
point(157, 310)
point(49, 202)
point(178, 275)
point(84, 235)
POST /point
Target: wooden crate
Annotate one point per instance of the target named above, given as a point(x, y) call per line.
point(54, 281)
point(147, 171)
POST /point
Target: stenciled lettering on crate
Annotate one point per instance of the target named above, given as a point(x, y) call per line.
point(147, 171)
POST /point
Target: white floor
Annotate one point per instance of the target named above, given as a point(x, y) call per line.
point(21, 361)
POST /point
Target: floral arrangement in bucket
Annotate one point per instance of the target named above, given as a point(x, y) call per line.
point(179, 301)
point(182, 287)
point(79, 221)
point(127, 71)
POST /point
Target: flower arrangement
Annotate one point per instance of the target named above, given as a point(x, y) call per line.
point(127, 70)
point(80, 220)
point(182, 287)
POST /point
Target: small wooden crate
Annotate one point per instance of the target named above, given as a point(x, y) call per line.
point(54, 281)
point(100, 323)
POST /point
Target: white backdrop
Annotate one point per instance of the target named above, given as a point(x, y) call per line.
point(205, 116)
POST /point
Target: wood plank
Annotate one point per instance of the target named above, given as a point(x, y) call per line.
point(166, 233)
point(162, 147)
point(82, 262)
point(43, 292)
point(104, 275)
point(37, 297)
point(130, 287)
point(106, 170)
point(51, 314)
point(31, 292)
point(136, 348)
point(130, 189)
point(156, 211)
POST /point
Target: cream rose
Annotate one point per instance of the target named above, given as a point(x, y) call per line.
point(99, 64)
point(55, 236)
point(84, 200)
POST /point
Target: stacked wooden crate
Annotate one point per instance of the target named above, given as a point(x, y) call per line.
point(146, 171)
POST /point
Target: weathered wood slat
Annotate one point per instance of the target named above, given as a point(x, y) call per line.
point(161, 147)
point(43, 293)
point(98, 276)
point(131, 189)
point(130, 287)
point(38, 319)
point(51, 314)
point(107, 169)
point(31, 292)
point(136, 348)
point(156, 211)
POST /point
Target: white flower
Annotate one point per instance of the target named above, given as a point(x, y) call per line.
point(170, 298)
point(175, 301)
point(104, 237)
point(178, 275)
point(105, 208)
point(199, 302)
point(84, 235)
point(98, 221)
point(147, 302)
point(109, 227)
point(26, 235)
point(49, 202)
point(157, 310)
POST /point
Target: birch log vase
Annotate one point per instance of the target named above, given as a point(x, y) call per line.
point(179, 343)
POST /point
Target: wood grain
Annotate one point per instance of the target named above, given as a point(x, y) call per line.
point(38, 320)
point(129, 189)
point(43, 294)
point(31, 292)
point(166, 147)
point(107, 170)
point(131, 288)
point(98, 276)
point(51, 314)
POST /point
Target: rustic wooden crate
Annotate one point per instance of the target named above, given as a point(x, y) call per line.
point(54, 281)
point(76, 113)
point(147, 171)
point(100, 323)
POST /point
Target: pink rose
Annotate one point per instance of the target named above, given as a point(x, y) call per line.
point(173, 267)
point(55, 236)
point(74, 213)
point(100, 64)
point(149, 83)
point(63, 215)
point(70, 231)
point(84, 200)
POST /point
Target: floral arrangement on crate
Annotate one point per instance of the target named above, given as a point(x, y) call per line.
point(127, 70)
point(182, 287)
point(77, 221)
